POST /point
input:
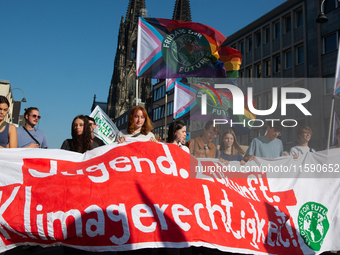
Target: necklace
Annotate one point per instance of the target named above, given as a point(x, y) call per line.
point(3, 124)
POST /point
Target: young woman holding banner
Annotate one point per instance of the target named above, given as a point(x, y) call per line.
point(230, 150)
point(139, 126)
point(202, 146)
point(81, 136)
point(177, 134)
point(8, 132)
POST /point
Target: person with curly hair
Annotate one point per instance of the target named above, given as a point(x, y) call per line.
point(139, 126)
point(81, 136)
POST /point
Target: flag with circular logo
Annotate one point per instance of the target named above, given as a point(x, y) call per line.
point(174, 49)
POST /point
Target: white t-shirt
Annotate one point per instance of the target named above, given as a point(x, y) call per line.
point(299, 150)
point(185, 148)
point(134, 135)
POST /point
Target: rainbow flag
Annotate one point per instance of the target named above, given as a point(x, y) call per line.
point(175, 49)
point(337, 76)
point(187, 105)
point(232, 59)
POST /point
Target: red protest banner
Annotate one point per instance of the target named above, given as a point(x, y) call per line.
point(144, 195)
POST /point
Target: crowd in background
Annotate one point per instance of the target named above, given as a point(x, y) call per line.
point(140, 126)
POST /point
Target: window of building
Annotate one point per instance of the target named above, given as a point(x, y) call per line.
point(250, 74)
point(159, 93)
point(250, 43)
point(267, 101)
point(267, 34)
point(330, 43)
point(133, 52)
point(277, 63)
point(268, 70)
point(330, 5)
point(258, 39)
point(299, 55)
point(132, 83)
point(277, 30)
point(329, 84)
point(170, 108)
point(257, 102)
point(258, 70)
point(158, 113)
point(241, 78)
point(299, 18)
point(288, 24)
point(241, 47)
point(288, 59)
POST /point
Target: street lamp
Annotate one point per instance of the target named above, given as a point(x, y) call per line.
point(16, 108)
point(24, 98)
point(322, 17)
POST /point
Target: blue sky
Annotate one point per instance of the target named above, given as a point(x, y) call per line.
point(61, 52)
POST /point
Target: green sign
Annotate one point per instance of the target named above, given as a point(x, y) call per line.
point(313, 224)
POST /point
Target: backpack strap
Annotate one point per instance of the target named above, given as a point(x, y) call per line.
point(136, 135)
point(31, 136)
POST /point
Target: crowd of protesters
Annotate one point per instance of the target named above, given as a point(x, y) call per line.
point(140, 126)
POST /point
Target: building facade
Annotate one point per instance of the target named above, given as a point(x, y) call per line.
point(287, 48)
point(157, 104)
point(284, 48)
point(6, 91)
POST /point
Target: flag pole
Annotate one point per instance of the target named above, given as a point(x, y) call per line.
point(330, 123)
point(137, 91)
point(166, 115)
point(335, 93)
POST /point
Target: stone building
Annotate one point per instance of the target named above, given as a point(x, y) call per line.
point(122, 92)
point(155, 100)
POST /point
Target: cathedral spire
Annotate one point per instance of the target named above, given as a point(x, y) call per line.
point(182, 11)
point(123, 83)
point(135, 10)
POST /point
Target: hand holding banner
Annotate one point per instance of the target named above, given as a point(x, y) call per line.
point(149, 195)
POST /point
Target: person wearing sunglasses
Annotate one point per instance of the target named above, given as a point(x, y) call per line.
point(28, 135)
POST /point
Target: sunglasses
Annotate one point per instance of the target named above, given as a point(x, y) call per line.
point(36, 116)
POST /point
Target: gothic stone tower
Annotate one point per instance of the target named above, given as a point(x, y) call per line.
point(123, 83)
point(122, 90)
point(182, 11)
